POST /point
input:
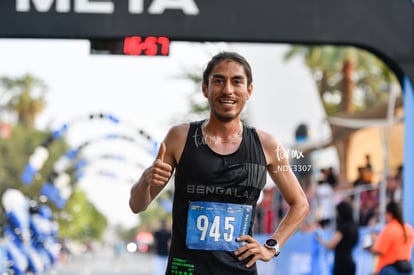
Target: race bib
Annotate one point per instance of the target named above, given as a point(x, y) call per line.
point(215, 226)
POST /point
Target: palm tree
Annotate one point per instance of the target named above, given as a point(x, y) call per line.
point(22, 100)
point(348, 80)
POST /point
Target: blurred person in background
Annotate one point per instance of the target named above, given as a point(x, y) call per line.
point(324, 203)
point(344, 240)
point(394, 244)
point(162, 239)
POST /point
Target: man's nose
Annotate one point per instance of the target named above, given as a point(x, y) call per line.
point(228, 87)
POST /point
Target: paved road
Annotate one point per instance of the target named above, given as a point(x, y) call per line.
point(105, 263)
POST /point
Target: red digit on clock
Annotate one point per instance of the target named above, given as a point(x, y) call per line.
point(151, 47)
point(165, 44)
point(133, 45)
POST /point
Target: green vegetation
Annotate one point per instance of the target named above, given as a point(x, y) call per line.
point(349, 80)
point(21, 100)
point(80, 219)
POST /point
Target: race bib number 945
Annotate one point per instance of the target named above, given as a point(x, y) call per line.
point(215, 226)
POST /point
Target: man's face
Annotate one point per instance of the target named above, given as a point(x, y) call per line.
point(227, 90)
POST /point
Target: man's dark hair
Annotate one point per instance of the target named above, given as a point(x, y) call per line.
point(228, 56)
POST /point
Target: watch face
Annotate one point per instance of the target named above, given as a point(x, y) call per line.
point(271, 242)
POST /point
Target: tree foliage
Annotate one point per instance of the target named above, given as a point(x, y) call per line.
point(23, 98)
point(80, 219)
point(348, 80)
point(370, 76)
point(14, 155)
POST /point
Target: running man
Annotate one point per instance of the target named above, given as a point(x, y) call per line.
point(220, 169)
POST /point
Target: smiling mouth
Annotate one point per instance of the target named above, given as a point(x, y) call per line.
point(227, 101)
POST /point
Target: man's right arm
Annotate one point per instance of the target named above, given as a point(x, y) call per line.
point(152, 181)
point(155, 177)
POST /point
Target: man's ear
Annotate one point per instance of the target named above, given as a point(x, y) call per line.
point(249, 91)
point(204, 88)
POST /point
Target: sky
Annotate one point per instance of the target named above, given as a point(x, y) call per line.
point(150, 94)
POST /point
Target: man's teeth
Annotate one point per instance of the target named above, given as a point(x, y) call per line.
point(228, 101)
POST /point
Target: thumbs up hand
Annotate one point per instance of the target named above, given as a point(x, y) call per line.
point(161, 152)
point(159, 172)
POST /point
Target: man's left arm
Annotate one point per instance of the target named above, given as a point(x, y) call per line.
point(281, 173)
point(291, 191)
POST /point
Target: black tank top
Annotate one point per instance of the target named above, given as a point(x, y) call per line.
point(204, 175)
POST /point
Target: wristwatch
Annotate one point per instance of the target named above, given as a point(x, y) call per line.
point(272, 243)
